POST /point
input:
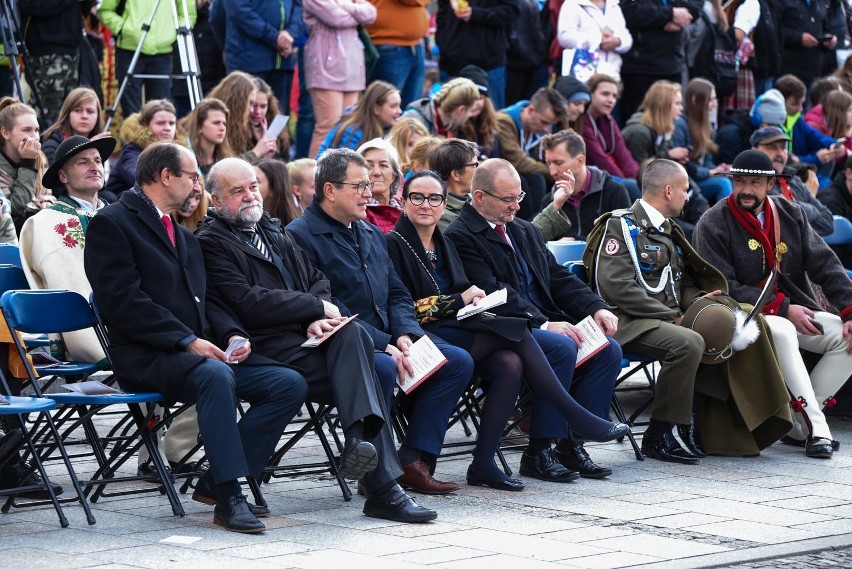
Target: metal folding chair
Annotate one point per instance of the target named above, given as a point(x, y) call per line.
point(18, 407)
point(566, 251)
point(640, 363)
point(10, 255)
point(57, 311)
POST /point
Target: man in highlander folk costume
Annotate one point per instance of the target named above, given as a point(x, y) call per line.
point(748, 235)
point(672, 305)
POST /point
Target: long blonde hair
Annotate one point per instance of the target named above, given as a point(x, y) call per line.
point(234, 90)
point(657, 106)
point(400, 135)
point(697, 105)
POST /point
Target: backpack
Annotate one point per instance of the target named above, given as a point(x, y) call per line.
point(716, 58)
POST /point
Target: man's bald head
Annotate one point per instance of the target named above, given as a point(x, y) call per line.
point(487, 172)
point(225, 167)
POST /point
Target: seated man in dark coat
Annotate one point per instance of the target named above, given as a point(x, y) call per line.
point(281, 299)
point(353, 255)
point(500, 251)
point(148, 280)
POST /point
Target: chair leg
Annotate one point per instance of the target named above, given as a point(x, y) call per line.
point(332, 461)
point(157, 460)
point(619, 414)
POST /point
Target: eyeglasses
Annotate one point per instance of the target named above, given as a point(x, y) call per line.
point(434, 200)
point(194, 176)
point(508, 200)
point(361, 188)
point(475, 164)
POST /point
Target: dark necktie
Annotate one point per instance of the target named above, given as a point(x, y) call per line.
point(170, 228)
point(254, 239)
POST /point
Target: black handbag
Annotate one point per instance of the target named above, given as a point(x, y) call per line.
point(371, 54)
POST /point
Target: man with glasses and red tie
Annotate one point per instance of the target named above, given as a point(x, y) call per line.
point(353, 256)
point(499, 251)
point(149, 282)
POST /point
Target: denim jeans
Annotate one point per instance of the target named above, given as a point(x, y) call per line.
point(280, 81)
point(497, 86)
point(403, 67)
point(305, 113)
point(716, 188)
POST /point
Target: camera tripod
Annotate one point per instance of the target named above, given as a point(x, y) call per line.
point(186, 52)
point(15, 49)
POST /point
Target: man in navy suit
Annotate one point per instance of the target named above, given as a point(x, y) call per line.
point(498, 250)
point(353, 255)
point(148, 280)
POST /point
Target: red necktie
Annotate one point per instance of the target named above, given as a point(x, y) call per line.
point(501, 231)
point(170, 228)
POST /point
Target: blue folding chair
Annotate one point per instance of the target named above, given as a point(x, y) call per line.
point(18, 407)
point(12, 277)
point(10, 255)
point(642, 363)
point(57, 311)
point(566, 251)
point(842, 234)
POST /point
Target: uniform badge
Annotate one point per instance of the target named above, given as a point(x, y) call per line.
point(753, 244)
point(611, 247)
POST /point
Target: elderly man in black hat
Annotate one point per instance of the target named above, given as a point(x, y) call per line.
point(773, 141)
point(745, 237)
point(52, 243)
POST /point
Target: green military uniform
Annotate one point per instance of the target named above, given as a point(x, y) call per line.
point(648, 291)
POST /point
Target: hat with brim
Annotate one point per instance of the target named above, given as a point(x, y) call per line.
point(68, 149)
point(753, 163)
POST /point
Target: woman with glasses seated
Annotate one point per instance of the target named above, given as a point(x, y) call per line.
point(502, 348)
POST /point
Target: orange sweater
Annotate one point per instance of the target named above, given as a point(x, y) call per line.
point(399, 22)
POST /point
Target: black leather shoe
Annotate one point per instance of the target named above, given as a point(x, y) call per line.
point(578, 459)
point(234, 514)
point(397, 506)
point(147, 469)
point(358, 458)
point(21, 474)
point(476, 479)
point(204, 492)
point(189, 467)
point(687, 437)
point(616, 431)
point(787, 440)
point(544, 466)
point(819, 447)
point(667, 449)
point(9, 443)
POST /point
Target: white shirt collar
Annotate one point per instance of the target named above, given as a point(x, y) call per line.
point(654, 216)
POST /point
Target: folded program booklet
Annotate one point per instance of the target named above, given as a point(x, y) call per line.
point(496, 298)
point(425, 359)
point(593, 340)
point(92, 388)
point(317, 340)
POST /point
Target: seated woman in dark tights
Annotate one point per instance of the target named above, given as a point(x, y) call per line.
point(502, 348)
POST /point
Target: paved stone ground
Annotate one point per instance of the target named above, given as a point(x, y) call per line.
point(777, 510)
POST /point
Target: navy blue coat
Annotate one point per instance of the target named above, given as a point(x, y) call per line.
point(247, 31)
point(363, 280)
point(152, 296)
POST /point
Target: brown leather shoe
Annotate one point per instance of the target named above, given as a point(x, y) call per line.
point(416, 477)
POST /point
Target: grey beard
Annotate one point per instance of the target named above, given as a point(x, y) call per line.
point(247, 216)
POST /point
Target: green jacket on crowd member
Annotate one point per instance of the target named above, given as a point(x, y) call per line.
point(127, 26)
point(23, 187)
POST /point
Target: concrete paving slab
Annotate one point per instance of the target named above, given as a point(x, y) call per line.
point(755, 531)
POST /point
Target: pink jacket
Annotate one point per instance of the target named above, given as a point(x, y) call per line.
point(334, 56)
